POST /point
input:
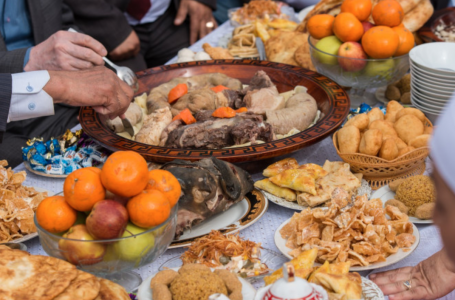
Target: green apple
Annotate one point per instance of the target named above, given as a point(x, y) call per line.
point(382, 68)
point(331, 45)
point(134, 248)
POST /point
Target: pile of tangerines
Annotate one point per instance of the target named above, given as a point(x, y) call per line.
point(148, 196)
point(386, 38)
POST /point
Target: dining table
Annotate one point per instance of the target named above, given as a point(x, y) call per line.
point(263, 230)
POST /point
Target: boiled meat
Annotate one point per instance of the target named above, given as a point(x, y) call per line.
point(165, 134)
point(214, 133)
point(209, 187)
point(153, 126)
point(299, 113)
point(265, 99)
point(259, 81)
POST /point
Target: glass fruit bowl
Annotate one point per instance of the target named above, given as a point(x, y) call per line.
point(113, 259)
point(356, 73)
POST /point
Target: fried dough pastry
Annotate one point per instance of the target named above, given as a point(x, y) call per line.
point(347, 284)
point(296, 179)
point(280, 166)
point(217, 52)
point(303, 57)
point(111, 291)
point(281, 48)
point(84, 287)
point(276, 190)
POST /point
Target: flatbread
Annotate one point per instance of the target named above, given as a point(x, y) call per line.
point(418, 16)
point(111, 291)
point(303, 57)
point(34, 277)
point(84, 287)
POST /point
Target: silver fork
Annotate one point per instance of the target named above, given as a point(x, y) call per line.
point(124, 73)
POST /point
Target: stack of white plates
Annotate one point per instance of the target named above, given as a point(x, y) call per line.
point(432, 77)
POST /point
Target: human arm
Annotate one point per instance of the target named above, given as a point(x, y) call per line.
point(200, 15)
point(430, 279)
point(106, 23)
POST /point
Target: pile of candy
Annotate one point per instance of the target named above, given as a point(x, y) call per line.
point(63, 155)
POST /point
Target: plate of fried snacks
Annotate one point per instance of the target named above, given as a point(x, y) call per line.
point(413, 196)
point(244, 258)
point(50, 278)
point(194, 282)
point(333, 277)
point(359, 233)
point(295, 186)
point(260, 10)
point(17, 206)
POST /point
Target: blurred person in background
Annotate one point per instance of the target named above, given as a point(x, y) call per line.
point(434, 277)
point(142, 34)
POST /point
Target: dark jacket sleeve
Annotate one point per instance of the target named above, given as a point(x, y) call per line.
point(12, 61)
point(102, 20)
point(209, 3)
point(5, 101)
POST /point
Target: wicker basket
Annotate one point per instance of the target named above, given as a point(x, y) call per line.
point(378, 171)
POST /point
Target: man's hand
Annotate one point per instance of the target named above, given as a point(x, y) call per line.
point(201, 19)
point(66, 51)
point(98, 87)
point(430, 279)
point(128, 48)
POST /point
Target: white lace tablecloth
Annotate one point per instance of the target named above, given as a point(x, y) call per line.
point(263, 230)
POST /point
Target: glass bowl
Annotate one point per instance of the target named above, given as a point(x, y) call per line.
point(113, 259)
point(364, 74)
point(272, 259)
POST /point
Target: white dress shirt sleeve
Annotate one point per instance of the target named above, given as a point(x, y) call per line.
point(28, 99)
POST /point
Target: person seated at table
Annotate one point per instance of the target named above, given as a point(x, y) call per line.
point(156, 29)
point(27, 101)
point(435, 276)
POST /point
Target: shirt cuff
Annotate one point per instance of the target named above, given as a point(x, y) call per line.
point(27, 57)
point(28, 99)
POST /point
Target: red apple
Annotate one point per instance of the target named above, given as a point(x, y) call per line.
point(116, 198)
point(366, 25)
point(107, 220)
point(79, 250)
point(353, 57)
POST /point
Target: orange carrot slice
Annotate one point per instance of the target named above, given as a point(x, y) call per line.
point(219, 88)
point(241, 110)
point(186, 116)
point(224, 112)
point(178, 91)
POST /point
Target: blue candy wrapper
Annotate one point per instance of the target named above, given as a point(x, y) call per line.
point(40, 147)
point(98, 156)
point(69, 154)
point(54, 169)
point(71, 168)
point(38, 159)
point(25, 151)
point(57, 159)
point(38, 168)
point(80, 155)
point(86, 162)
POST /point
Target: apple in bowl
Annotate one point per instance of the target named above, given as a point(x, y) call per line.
point(351, 57)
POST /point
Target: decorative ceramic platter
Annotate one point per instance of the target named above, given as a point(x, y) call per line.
point(331, 99)
point(370, 291)
point(241, 215)
point(35, 234)
point(29, 168)
point(145, 292)
point(392, 259)
point(385, 193)
point(272, 259)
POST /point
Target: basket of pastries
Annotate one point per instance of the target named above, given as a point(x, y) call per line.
point(385, 147)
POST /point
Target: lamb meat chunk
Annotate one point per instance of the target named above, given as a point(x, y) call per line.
point(209, 187)
point(249, 131)
point(165, 133)
point(204, 115)
point(265, 99)
point(219, 133)
point(259, 81)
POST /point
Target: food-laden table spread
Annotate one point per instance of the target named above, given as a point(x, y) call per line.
point(263, 230)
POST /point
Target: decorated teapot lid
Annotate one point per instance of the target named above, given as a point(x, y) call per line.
point(291, 287)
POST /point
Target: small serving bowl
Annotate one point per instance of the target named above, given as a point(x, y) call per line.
point(374, 73)
point(120, 255)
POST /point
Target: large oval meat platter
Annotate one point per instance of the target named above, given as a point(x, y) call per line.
point(331, 100)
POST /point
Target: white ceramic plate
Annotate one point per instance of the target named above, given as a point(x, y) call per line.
point(433, 86)
point(416, 102)
point(430, 78)
point(145, 292)
point(385, 193)
point(370, 291)
point(364, 189)
point(241, 215)
point(430, 91)
point(35, 234)
point(425, 71)
point(302, 14)
point(442, 63)
point(437, 99)
point(392, 259)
